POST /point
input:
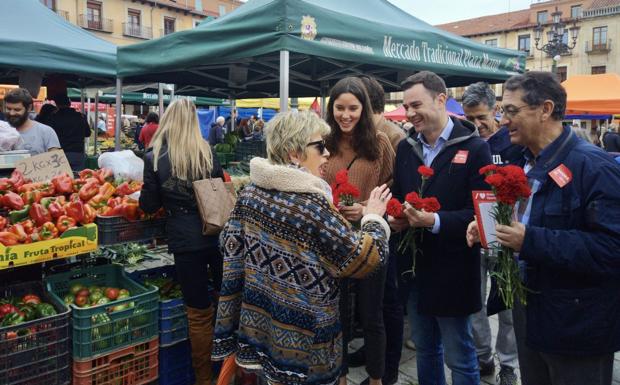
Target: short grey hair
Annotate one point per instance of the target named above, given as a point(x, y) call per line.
point(220, 119)
point(289, 132)
point(479, 93)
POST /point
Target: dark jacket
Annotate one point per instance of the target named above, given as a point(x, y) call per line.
point(216, 134)
point(447, 270)
point(572, 252)
point(611, 142)
point(71, 128)
point(503, 152)
point(161, 189)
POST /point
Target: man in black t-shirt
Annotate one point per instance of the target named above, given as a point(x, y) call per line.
point(71, 128)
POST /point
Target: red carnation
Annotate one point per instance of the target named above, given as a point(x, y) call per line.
point(415, 200)
point(342, 176)
point(426, 172)
point(431, 204)
point(394, 208)
point(348, 189)
point(486, 169)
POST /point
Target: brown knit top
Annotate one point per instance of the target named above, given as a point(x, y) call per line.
point(364, 174)
point(393, 132)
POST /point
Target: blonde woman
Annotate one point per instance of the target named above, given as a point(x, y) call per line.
point(285, 246)
point(179, 156)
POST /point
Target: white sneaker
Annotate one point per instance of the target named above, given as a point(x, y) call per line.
point(409, 344)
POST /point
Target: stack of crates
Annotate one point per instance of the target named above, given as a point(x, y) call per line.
point(249, 149)
point(175, 363)
point(115, 342)
point(36, 352)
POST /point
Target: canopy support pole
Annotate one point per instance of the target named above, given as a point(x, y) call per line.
point(82, 100)
point(172, 93)
point(160, 92)
point(324, 90)
point(233, 113)
point(96, 121)
point(119, 115)
point(284, 79)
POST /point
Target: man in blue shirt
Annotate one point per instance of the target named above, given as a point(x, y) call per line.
point(568, 240)
point(446, 288)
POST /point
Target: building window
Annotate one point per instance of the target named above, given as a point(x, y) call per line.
point(93, 14)
point(169, 25)
point(222, 9)
point(562, 72)
point(491, 42)
point(199, 5)
point(575, 11)
point(133, 18)
point(51, 4)
point(565, 38)
point(541, 17)
point(598, 70)
point(524, 43)
point(599, 38)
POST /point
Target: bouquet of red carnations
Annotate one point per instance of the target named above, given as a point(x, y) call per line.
point(509, 185)
point(343, 191)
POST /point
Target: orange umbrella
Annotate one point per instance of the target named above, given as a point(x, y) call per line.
point(593, 94)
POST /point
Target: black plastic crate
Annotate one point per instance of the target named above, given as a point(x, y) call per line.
point(113, 230)
point(36, 352)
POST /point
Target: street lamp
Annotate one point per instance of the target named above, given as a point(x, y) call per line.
point(555, 46)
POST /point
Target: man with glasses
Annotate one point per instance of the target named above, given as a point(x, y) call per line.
point(480, 108)
point(567, 237)
point(445, 290)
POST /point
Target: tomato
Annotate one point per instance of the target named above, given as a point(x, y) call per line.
point(84, 291)
point(81, 300)
point(111, 293)
point(31, 299)
point(75, 288)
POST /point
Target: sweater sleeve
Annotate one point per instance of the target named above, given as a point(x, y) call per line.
point(347, 252)
point(229, 305)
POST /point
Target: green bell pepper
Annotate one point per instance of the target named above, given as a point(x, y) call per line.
point(45, 310)
point(16, 216)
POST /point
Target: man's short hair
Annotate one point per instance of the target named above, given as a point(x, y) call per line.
point(538, 86)
point(375, 93)
point(62, 101)
point(220, 120)
point(430, 80)
point(19, 95)
point(479, 93)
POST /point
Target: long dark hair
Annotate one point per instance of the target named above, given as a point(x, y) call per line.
point(365, 137)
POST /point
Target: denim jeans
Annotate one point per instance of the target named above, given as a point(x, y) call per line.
point(439, 338)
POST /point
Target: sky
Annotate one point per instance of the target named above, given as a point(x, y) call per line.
point(446, 11)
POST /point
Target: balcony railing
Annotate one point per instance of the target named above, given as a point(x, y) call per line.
point(103, 25)
point(137, 30)
point(603, 47)
point(606, 11)
point(63, 14)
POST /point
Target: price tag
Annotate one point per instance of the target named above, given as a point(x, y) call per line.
point(43, 167)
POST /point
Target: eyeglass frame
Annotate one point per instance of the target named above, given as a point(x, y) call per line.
point(320, 145)
point(512, 114)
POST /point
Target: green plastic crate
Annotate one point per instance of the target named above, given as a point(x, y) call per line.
point(99, 329)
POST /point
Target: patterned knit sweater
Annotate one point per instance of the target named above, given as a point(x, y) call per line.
point(364, 174)
point(284, 247)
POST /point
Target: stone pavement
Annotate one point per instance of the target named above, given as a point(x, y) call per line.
point(408, 370)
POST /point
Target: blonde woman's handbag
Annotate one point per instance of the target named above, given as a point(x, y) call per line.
point(215, 200)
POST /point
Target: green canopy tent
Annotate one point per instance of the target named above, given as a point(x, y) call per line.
point(147, 97)
point(301, 47)
point(37, 39)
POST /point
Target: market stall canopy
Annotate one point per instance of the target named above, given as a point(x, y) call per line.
point(593, 94)
point(148, 98)
point(453, 107)
point(35, 38)
point(237, 55)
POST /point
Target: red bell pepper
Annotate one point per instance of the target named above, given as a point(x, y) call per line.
point(7, 308)
point(88, 191)
point(17, 178)
point(32, 299)
point(113, 202)
point(3, 223)
point(127, 188)
point(75, 210)
point(77, 184)
point(12, 201)
point(56, 210)
point(129, 211)
point(28, 226)
point(30, 187)
point(5, 185)
point(7, 238)
point(87, 173)
point(47, 190)
point(48, 231)
point(63, 184)
point(105, 175)
point(64, 223)
point(39, 214)
point(32, 196)
point(18, 231)
point(105, 192)
point(89, 215)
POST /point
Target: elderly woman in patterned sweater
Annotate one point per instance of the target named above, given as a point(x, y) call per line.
point(285, 246)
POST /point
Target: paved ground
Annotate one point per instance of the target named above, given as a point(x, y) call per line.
point(408, 370)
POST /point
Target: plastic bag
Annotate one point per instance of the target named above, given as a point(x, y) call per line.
point(10, 139)
point(124, 164)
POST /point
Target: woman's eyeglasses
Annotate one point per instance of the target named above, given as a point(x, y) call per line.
point(319, 144)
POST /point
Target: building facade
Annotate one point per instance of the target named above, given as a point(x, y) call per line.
point(124, 22)
point(594, 52)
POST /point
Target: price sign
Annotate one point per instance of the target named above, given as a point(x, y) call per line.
point(43, 167)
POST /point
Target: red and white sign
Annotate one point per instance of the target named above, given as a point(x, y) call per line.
point(460, 157)
point(561, 175)
point(484, 205)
